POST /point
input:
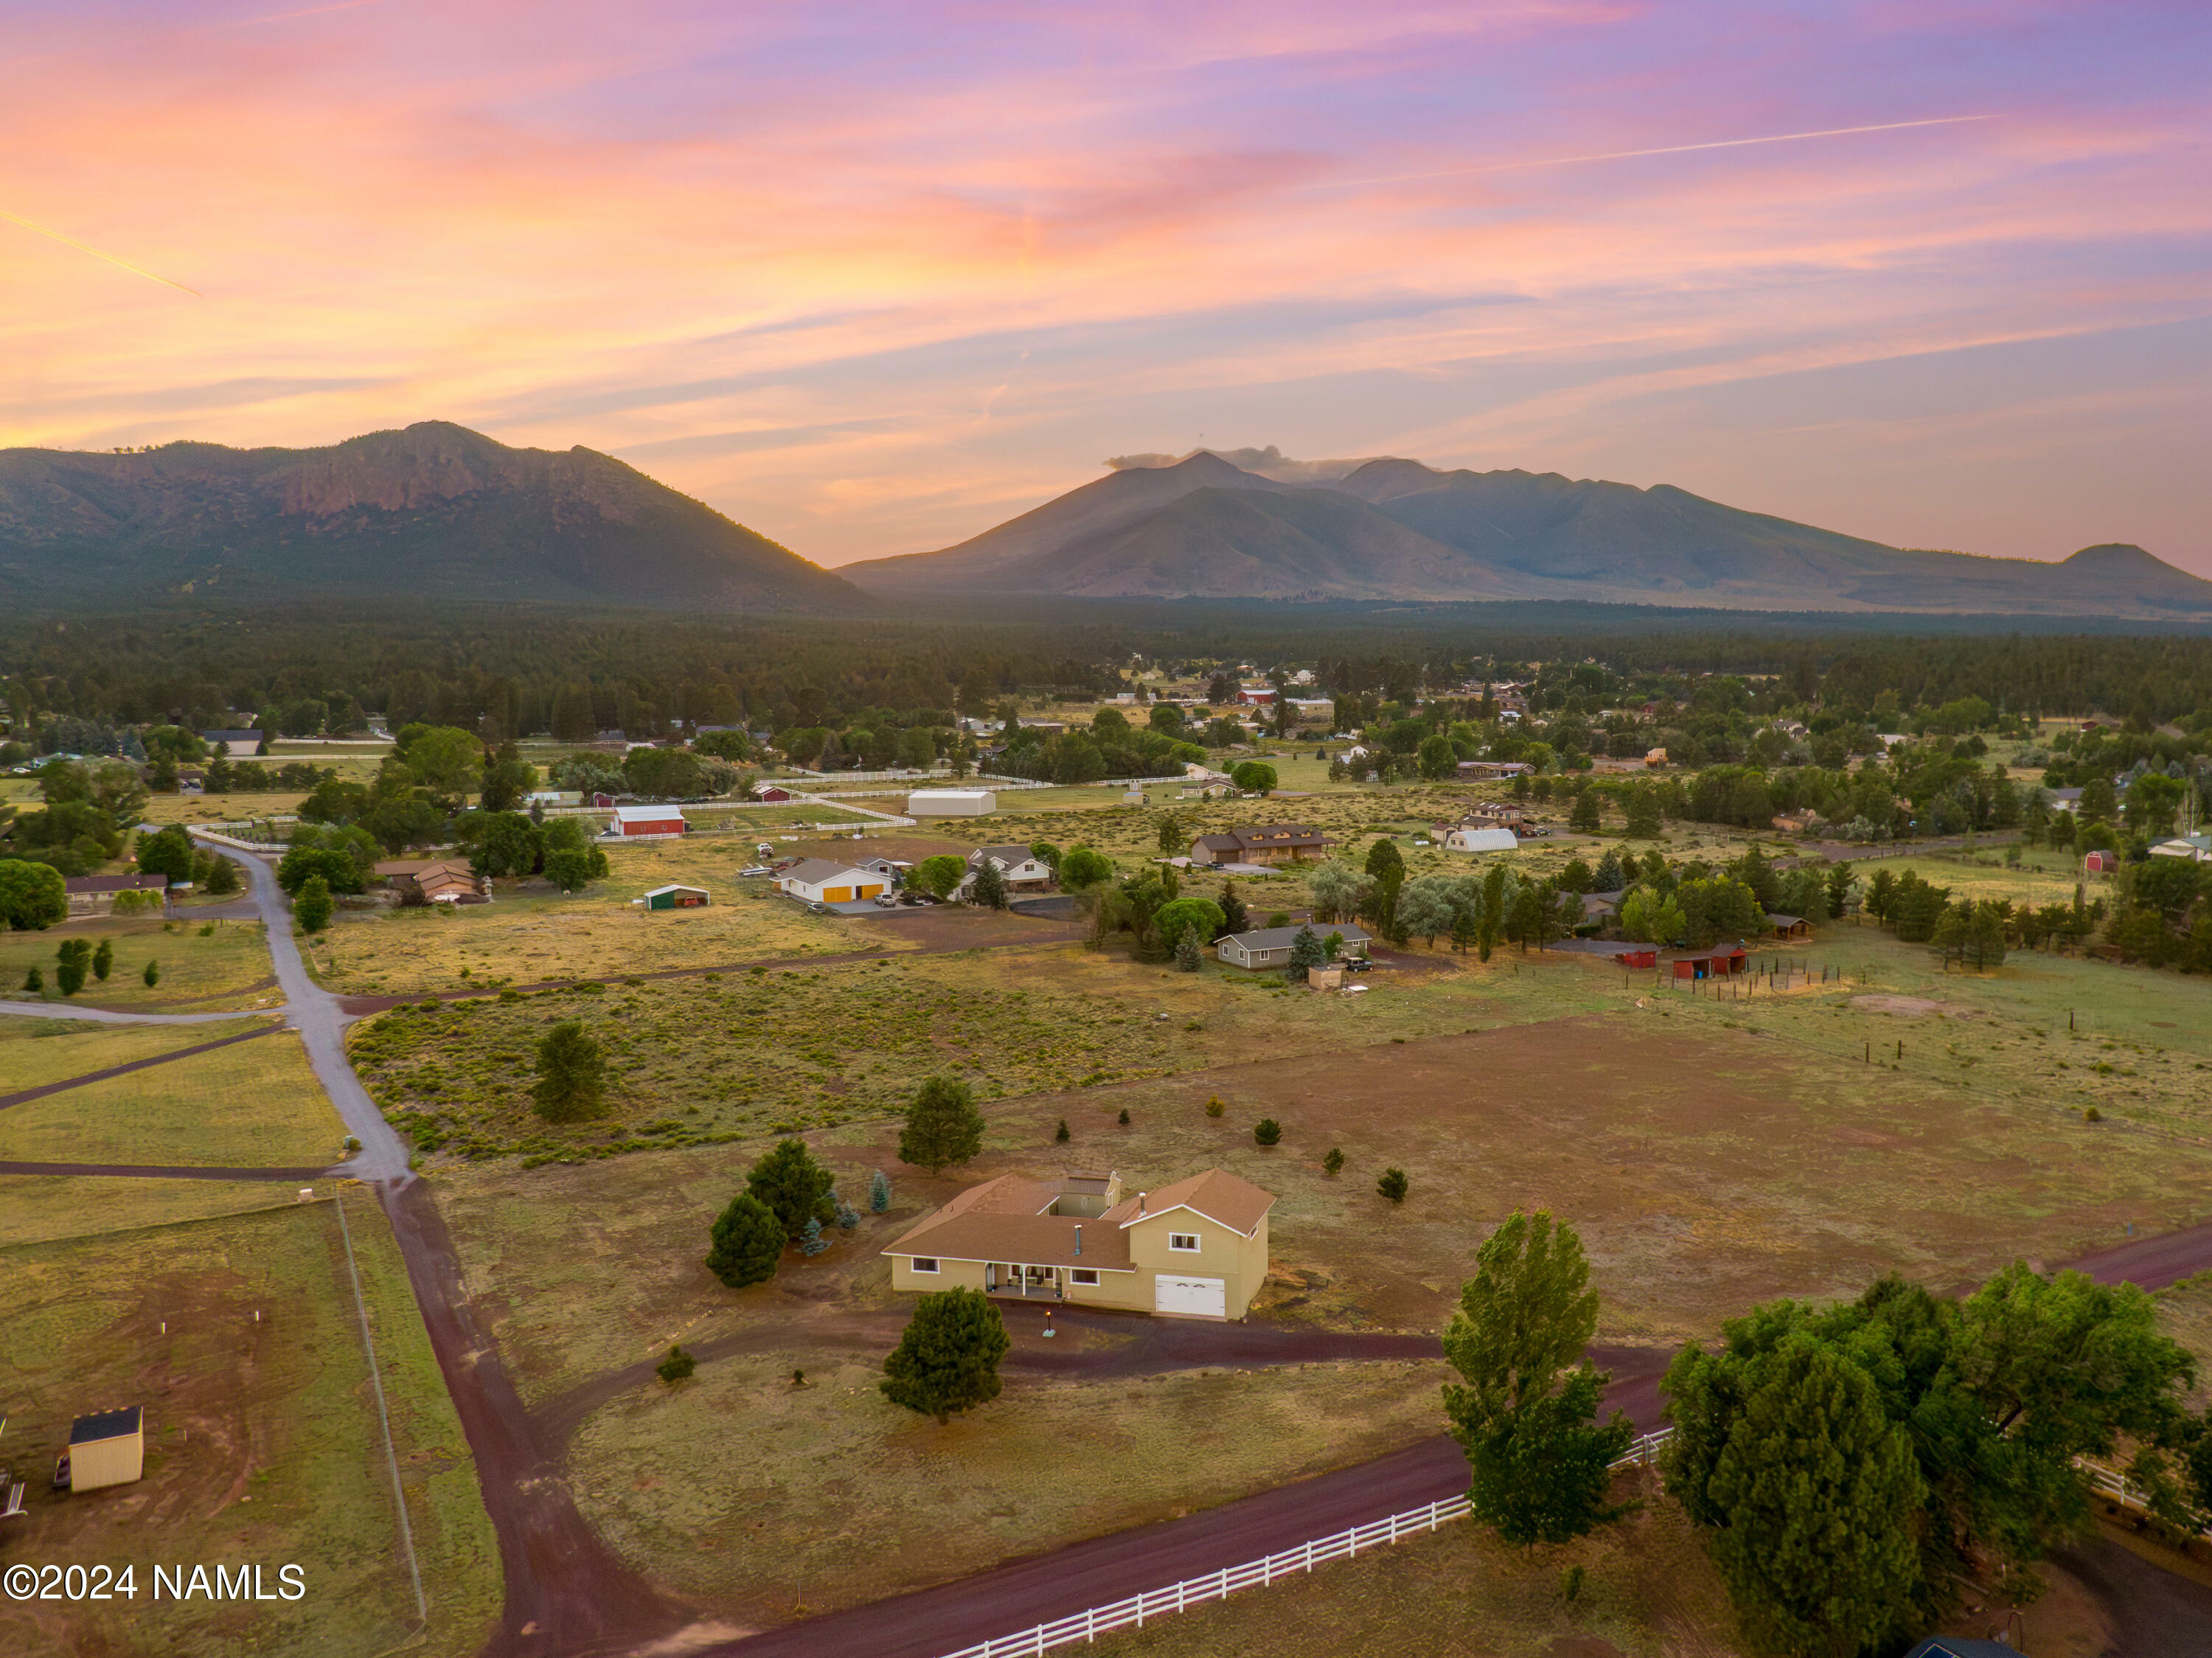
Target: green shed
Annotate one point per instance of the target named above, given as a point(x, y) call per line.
point(676, 897)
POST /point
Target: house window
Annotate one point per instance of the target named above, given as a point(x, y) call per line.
point(925, 1263)
point(1183, 1241)
point(1083, 1275)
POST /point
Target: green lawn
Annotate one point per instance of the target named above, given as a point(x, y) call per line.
point(36, 1051)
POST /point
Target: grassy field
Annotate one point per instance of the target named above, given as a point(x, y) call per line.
point(698, 1058)
point(853, 1498)
point(263, 1444)
point(252, 1104)
point(36, 1051)
point(207, 967)
point(534, 934)
point(43, 1208)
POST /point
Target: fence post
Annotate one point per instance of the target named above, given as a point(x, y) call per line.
point(1090, 1627)
point(1309, 1554)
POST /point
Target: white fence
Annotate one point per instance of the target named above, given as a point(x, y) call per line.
point(1088, 1625)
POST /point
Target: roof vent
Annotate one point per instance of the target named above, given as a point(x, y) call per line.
point(1140, 1203)
point(1078, 1238)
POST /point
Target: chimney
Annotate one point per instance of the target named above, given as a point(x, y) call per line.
point(1079, 1237)
point(1140, 1203)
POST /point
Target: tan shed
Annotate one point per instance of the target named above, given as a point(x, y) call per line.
point(107, 1449)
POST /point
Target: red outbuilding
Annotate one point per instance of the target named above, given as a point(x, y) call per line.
point(1722, 961)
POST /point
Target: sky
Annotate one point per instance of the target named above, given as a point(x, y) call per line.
point(873, 278)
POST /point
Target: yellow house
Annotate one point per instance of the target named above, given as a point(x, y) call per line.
point(1197, 1249)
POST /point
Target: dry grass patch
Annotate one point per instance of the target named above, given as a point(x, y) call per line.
point(42, 1208)
point(738, 1487)
point(262, 1440)
point(34, 1053)
point(254, 1104)
point(531, 934)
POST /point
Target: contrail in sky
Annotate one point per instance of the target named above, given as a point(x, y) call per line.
point(1667, 150)
point(82, 247)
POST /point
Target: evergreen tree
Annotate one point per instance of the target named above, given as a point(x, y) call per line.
point(1465, 929)
point(103, 959)
point(571, 1073)
point(1643, 813)
point(676, 1367)
point(152, 975)
point(943, 1126)
point(1333, 1163)
point(71, 960)
point(811, 1240)
point(1306, 954)
point(1392, 1184)
point(745, 1242)
point(948, 1359)
point(1233, 917)
point(1186, 957)
point(879, 1192)
point(1813, 1492)
point(794, 1187)
point(311, 909)
point(1609, 877)
point(222, 877)
point(35, 982)
point(1540, 1463)
point(1589, 815)
point(988, 889)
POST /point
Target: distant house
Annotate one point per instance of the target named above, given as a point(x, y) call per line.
point(647, 822)
point(675, 897)
point(2063, 800)
point(1020, 867)
point(890, 868)
point(1601, 906)
point(601, 800)
point(1722, 961)
point(107, 1449)
point(1270, 947)
point(233, 743)
point(819, 881)
point(435, 880)
point(1197, 1249)
point(554, 797)
point(2197, 848)
point(95, 895)
point(2101, 861)
point(1485, 771)
point(1271, 842)
point(1789, 926)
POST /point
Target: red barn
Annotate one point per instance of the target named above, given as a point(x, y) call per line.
point(1722, 961)
point(772, 792)
point(639, 821)
point(2101, 863)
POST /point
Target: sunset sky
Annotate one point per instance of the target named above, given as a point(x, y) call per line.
point(870, 278)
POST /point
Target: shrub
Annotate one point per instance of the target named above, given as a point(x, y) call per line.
point(1063, 1134)
point(311, 909)
point(679, 1365)
point(1267, 1131)
point(847, 1216)
point(811, 1240)
point(35, 982)
point(103, 959)
point(72, 960)
point(152, 975)
point(1332, 1164)
point(1124, 1117)
point(1213, 1106)
point(745, 1242)
point(1393, 1185)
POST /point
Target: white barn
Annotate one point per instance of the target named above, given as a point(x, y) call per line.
point(951, 804)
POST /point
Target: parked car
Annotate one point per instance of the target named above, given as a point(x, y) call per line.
point(755, 869)
point(886, 901)
point(917, 898)
point(1355, 963)
point(820, 907)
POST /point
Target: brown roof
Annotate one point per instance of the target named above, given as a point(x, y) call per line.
point(1218, 1196)
point(1003, 1220)
point(405, 866)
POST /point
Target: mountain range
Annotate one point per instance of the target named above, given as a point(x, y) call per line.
point(432, 512)
point(1396, 529)
point(436, 512)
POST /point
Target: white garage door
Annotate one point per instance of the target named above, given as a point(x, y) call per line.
point(1206, 1296)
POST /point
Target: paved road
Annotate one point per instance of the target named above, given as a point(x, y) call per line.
point(117, 1016)
point(322, 1025)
